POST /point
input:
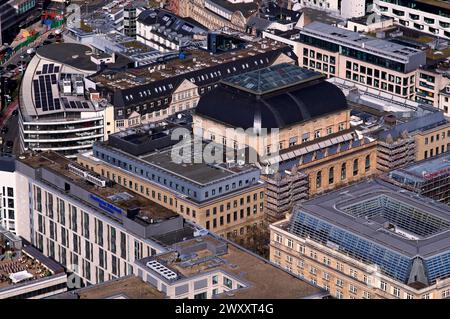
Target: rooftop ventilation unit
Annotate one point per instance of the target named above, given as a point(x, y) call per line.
point(162, 270)
point(87, 176)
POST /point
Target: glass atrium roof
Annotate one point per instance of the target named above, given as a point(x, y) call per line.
point(272, 78)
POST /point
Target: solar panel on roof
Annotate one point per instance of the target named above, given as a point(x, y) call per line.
point(85, 105)
point(72, 104)
point(57, 104)
point(56, 69)
point(44, 69)
point(50, 68)
point(49, 93)
point(79, 105)
point(42, 94)
point(53, 77)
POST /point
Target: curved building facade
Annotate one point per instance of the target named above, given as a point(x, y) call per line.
point(55, 110)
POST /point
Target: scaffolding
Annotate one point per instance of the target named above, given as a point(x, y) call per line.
point(283, 191)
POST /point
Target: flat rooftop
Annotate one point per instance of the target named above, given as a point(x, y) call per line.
point(129, 287)
point(22, 263)
point(355, 39)
point(426, 169)
point(247, 9)
point(195, 60)
point(321, 16)
point(272, 78)
point(113, 193)
point(197, 172)
point(263, 280)
point(76, 55)
point(370, 208)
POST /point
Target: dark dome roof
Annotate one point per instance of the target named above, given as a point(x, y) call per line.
point(276, 110)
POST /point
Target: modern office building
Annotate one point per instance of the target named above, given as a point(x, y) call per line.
point(337, 52)
point(99, 231)
point(433, 85)
point(25, 273)
point(56, 112)
point(152, 93)
point(370, 240)
point(345, 8)
point(10, 194)
point(226, 198)
point(432, 17)
point(95, 228)
point(204, 267)
point(209, 267)
point(430, 177)
point(165, 31)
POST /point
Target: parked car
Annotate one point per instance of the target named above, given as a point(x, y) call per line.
point(15, 112)
point(9, 144)
point(4, 130)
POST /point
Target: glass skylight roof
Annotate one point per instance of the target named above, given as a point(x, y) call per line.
point(272, 78)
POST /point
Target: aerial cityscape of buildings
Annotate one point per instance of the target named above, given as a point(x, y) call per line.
point(225, 149)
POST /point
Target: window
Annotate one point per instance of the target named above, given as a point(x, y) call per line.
point(355, 167)
point(329, 130)
point(353, 289)
point(343, 171)
point(290, 243)
point(396, 292)
point(215, 280)
point(339, 282)
point(383, 286)
point(227, 282)
point(319, 179)
point(331, 175)
point(367, 164)
point(278, 238)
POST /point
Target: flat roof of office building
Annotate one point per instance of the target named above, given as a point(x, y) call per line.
point(113, 192)
point(340, 35)
point(365, 208)
point(128, 287)
point(426, 169)
point(263, 280)
point(197, 172)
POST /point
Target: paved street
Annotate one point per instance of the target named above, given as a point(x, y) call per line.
point(13, 131)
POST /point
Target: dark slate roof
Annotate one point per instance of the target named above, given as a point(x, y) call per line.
point(267, 58)
point(418, 124)
point(170, 21)
point(247, 9)
point(278, 109)
point(273, 11)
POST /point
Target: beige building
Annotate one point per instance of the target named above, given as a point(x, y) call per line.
point(231, 214)
point(337, 52)
point(216, 15)
point(356, 258)
point(313, 153)
point(432, 142)
point(431, 86)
